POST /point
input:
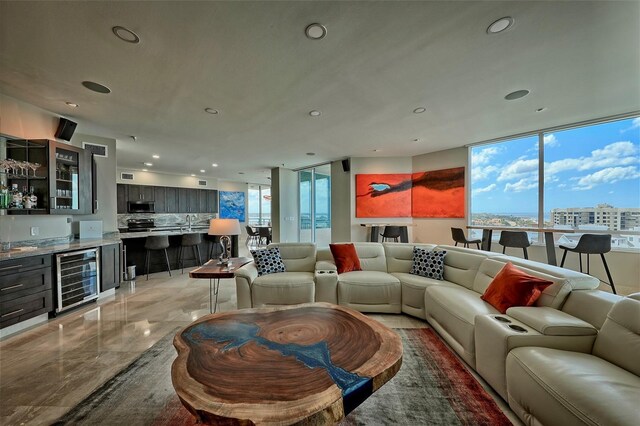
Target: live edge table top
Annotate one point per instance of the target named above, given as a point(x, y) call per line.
point(300, 364)
point(211, 269)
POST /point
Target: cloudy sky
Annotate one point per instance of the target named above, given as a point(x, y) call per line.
point(582, 167)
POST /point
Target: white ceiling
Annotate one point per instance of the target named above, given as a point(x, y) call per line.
point(379, 61)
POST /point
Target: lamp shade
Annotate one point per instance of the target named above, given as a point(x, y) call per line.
point(224, 227)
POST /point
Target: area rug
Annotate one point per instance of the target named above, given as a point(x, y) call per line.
point(433, 387)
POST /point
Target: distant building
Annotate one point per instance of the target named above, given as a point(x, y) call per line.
point(604, 215)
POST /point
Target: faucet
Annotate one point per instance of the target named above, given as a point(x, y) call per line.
point(189, 221)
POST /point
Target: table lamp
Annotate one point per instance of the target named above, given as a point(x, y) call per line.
point(223, 228)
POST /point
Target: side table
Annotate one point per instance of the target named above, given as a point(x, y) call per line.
point(213, 271)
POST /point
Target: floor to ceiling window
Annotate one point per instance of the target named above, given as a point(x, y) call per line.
point(259, 205)
point(315, 204)
point(590, 179)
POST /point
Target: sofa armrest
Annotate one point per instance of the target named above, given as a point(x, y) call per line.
point(326, 279)
point(551, 322)
point(326, 265)
point(244, 278)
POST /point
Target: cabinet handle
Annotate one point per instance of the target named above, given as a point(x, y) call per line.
point(9, 288)
point(11, 313)
point(6, 268)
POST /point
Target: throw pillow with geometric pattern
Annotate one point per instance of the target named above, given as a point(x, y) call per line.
point(428, 263)
point(268, 261)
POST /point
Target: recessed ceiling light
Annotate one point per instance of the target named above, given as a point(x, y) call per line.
point(311, 153)
point(155, 156)
point(541, 109)
point(500, 25)
point(96, 87)
point(125, 34)
point(376, 150)
point(211, 111)
point(133, 138)
point(193, 175)
point(148, 164)
point(72, 105)
point(214, 165)
point(202, 170)
point(416, 140)
point(315, 113)
point(419, 110)
point(240, 173)
point(315, 31)
point(145, 170)
point(517, 95)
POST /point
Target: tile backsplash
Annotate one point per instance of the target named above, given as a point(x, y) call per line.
point(167, 219)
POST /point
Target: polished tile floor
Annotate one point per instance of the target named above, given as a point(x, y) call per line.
point(48, 369)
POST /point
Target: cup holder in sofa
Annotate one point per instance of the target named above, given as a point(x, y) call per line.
point(517, 328)
point(502, 319)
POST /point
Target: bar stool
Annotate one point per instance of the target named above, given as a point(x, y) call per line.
point(391, 233)
point(264, 232)
point(592, 244)
point(253, 235)
point(458, 236)
point(517, 239)
point(156, 242)
point(193, 241)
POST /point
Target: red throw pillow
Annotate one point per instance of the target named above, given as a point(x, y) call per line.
point(346, 257)
point(513, 287)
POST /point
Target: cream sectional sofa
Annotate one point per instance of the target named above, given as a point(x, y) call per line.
point(567, 317)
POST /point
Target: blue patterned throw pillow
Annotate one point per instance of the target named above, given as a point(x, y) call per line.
point(428, 263)
point(268, 261)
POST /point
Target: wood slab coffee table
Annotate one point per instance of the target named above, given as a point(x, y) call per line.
point(301, 364)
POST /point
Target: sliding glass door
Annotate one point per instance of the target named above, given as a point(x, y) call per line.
point(315, 205)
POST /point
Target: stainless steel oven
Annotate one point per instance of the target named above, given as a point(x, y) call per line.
point(141, 207)
point(78, 278)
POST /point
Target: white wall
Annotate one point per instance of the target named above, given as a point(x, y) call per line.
point(284, 205)
point(437, 230)
point(165, 179)
point(106, 176)
point(368, 165)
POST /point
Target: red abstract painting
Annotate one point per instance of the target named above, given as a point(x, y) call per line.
point(438, 193)
point(383, 195)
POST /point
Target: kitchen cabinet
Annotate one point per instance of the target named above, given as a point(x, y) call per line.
point(140, 193)
point(122, 198)
point(183, 200)
point(160, 197)
point(194, 201)
point(202, 200)
point(25, 289)
point(212, 201)
point(110, 266)
point(63, 181)
point(171, 198)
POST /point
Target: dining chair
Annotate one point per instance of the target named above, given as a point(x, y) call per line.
point(458, 236)
point(592, 244)
point(391, 233)
point(517, 239)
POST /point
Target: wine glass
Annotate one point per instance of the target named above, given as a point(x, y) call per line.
point(33, 167)
point(23, 167)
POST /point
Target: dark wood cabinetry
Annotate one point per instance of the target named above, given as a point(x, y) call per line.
point(25, 289)
point(63, 182)
point(169, 199)
point(110, 266)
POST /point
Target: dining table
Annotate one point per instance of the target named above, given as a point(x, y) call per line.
point(487, 235)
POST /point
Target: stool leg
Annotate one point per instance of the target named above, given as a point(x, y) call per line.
point(182, 258)
point(580, 257)
point(466, 245)
point(199, 258)
point(146, 264)
point(503, 249)
point(526, 255)
point(564, 256)
point(456, 244)
point(478, 244)
point(166, 256)
point(606, 268)
point(588, 268)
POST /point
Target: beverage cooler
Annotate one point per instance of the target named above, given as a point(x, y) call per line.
point(78, 278)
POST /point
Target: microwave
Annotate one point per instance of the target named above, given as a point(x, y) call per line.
point(141, 207)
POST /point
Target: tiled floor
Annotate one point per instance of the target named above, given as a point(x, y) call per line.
point(50, 368)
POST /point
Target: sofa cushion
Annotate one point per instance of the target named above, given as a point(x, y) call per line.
point(428, 263)
point(413, 287)
point(297, 257)
point(461, 264)
point(368, 288)
point(554, 386)
point(619, 339)
point(345, 257)
point(513, 287)
point(371, 256)
point(455, 310)
point(283, 288)
point(400, 255)
point(268, 261)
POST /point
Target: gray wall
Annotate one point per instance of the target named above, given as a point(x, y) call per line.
point(284, 205)
point(340, 203)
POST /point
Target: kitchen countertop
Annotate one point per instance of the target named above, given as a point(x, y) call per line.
point(57, 248)
point(159, 231)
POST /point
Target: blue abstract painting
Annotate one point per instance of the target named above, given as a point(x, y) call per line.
point(232, 205)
